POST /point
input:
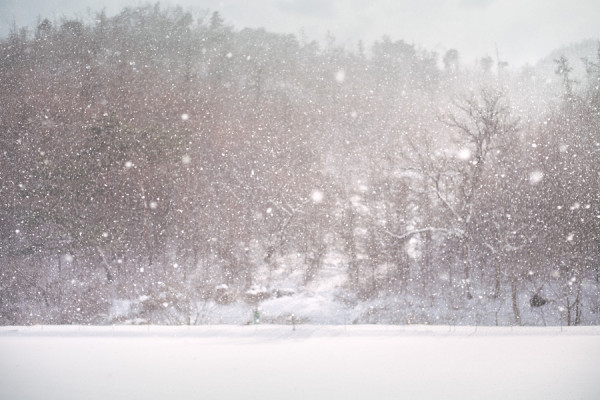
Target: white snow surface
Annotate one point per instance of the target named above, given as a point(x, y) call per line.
point(311, 362)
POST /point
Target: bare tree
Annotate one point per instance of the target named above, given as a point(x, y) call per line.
point(478, 122)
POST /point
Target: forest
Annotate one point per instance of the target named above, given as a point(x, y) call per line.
point(166, 160)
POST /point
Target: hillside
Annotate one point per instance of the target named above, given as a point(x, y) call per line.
point(160, 167)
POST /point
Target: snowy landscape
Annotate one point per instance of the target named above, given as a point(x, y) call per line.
point(162, 166)
point(310, 362)
point(194, 209)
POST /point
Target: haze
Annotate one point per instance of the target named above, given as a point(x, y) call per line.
point(522, 32)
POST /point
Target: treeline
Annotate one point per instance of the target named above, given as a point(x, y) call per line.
point(157, 154)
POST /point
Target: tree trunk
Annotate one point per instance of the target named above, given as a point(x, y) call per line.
point(496, 279)
point(426, 270)
point(467, 269)
point(515, 304)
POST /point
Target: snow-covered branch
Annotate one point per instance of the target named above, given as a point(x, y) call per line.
point(452, 232)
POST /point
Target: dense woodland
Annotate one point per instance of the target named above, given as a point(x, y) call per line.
point(170, 158)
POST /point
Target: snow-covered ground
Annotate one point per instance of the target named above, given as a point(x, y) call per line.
point(311, 362)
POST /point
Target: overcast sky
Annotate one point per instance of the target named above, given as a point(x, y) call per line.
point(523, 30)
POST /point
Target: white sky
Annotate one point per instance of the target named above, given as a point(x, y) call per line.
point(523, 30)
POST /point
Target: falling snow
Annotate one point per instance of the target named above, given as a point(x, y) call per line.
point(167, 167)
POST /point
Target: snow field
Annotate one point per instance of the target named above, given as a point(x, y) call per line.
point(312, 362)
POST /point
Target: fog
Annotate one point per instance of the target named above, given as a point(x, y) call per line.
point(164, 166)
point(522, 33)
